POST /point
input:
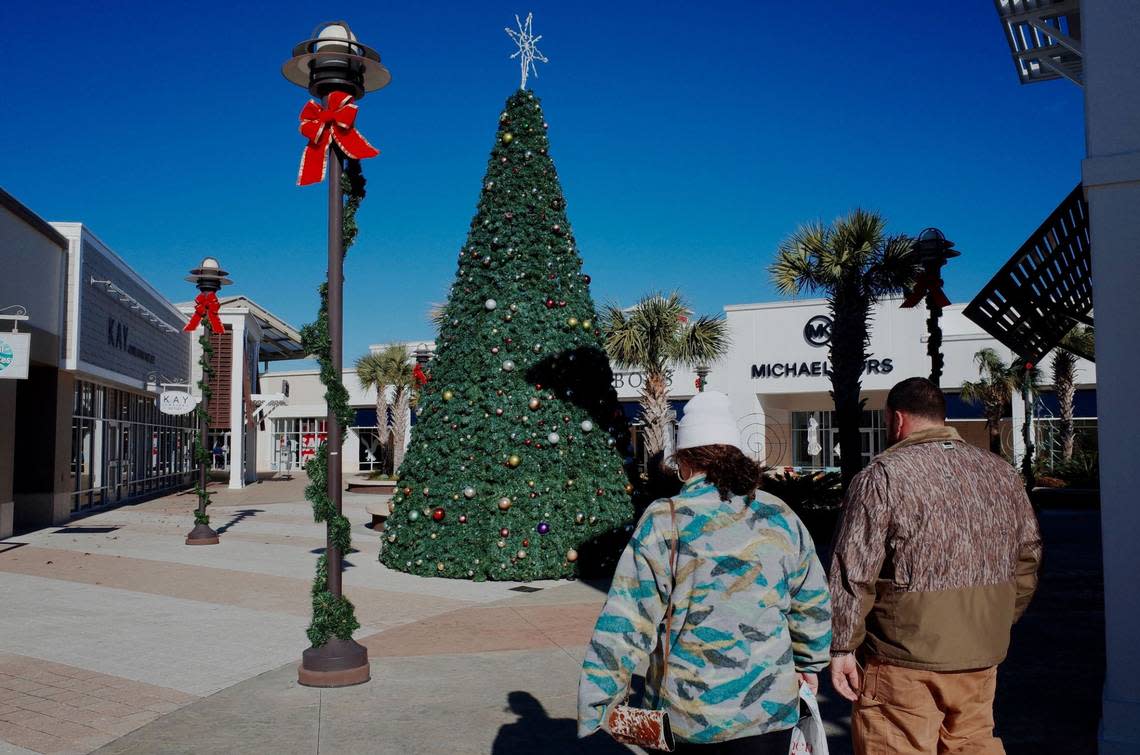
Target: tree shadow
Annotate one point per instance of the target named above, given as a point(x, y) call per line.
point(238, 517)
point(536, 732)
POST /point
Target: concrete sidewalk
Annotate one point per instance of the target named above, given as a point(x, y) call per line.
point(116, 635)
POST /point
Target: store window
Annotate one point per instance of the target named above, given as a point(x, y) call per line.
point(122, 447)
point(815, 439)
point(296, 440)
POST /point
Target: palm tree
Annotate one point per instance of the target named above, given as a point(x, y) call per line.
point(854, 263)
point(656, 333)
point(993, 391)
point(1078, 342)
point(389, 371)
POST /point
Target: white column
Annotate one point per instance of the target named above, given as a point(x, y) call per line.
point(1111, 176)
point(1017, 440)
point(237, 405)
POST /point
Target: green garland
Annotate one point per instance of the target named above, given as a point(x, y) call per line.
point(332, 616)
point(202, 414)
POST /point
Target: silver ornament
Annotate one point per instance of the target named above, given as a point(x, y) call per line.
point(587, 426)
point(508, 366)
point(553, 438)
point(490, 304)
point(469, 492)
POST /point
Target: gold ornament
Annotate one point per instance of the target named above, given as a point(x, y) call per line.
point(587, 325)
point(572, 322)
point(502, 543)
point(439, 567)
point(504, 503)
point(534, 403)
point(508, 137)
point(514, 461)
point(521, 554)
point(629, 487)
point(448, 395)
point(571, 555)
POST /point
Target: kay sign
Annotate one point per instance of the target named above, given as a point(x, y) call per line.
point(176, 402)
point(14, 350)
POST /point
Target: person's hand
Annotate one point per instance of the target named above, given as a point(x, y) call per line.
point(845, 676)
point(811, 680)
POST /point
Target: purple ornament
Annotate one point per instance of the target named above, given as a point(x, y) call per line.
point(542, 528)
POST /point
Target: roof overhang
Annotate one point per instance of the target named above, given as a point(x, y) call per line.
point(1046, 287)
point(279, 339)
point(1044, 38)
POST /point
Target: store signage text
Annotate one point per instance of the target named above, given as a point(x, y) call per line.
point(176, 402)
point(636, 379)
point(118, 337)
point(815, 369)
point(14, 350)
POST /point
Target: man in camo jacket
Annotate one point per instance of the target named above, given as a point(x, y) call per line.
point(935, 558)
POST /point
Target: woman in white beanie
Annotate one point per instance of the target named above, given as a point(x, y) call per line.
point(751, 614)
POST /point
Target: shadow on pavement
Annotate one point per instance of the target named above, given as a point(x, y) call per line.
point(238, 517)
point(535, 731)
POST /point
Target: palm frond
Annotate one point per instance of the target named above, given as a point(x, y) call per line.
point(703, 341)
point(796, 268)
point(894, 269)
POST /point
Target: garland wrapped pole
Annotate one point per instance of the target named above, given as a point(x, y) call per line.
point(209, 278)
point(336, 68)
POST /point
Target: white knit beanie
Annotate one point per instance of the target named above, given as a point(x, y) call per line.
point(708, 422)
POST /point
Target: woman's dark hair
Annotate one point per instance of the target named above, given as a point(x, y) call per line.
point(726, 467)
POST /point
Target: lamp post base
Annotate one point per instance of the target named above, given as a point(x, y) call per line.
point(202, 535)
point(337, 663)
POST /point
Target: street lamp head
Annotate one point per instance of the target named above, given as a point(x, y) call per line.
point(334, 61)
point(932, 246)
point(209, 275)
point(422, 354)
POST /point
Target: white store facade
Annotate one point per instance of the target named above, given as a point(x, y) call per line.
point(775, 375)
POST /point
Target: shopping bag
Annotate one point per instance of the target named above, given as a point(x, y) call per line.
point(808, 737)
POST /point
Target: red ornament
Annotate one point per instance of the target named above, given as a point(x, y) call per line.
point(504, 532)
point(538, 386)
point(527, 442)
point(586, 279)
point(599, 491)
point(550, 304)
point(463, 519)
point(322, 126)
point(438, 514)
point(562, 304)
point(526, 543)
point(205, 305)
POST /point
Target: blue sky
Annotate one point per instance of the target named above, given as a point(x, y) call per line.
point(689, 137)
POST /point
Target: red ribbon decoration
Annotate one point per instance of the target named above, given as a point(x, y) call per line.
point(321, 126)
point(205, 305)
point(926, 283)
point(419, 374)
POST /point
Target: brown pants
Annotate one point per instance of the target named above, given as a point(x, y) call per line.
point(904, 711)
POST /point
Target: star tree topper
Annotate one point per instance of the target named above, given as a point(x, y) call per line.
point(527, 52)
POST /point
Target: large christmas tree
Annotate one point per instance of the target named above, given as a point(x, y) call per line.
point(515, 467)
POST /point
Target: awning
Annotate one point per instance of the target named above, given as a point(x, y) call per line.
point(1046, 287)
point(1044, 38)
point(279, 339)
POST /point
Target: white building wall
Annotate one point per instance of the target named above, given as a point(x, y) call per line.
point(762, 335)
point(1111, 177)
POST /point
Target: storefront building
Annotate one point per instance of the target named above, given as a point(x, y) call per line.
point(34, 257)
point(776, 376)
point(124, 340)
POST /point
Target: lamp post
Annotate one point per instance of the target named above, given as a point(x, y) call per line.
point(332, 62)
point(702, 376)
point(933, 250)
point(208, 277)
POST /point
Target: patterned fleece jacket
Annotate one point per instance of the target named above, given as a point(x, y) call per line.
point(751, 608)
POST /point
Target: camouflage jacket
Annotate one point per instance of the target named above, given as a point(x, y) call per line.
point(751, 608)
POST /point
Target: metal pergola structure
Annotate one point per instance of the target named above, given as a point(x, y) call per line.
point(1045, 289)
point(1044, 38)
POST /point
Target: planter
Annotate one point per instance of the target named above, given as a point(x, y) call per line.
point(362, 484)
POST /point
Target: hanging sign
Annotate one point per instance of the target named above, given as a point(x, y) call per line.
point(14, 350)
point(176, 402)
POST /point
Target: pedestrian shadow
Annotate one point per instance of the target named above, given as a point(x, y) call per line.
point(535, 731)
point(238, 517)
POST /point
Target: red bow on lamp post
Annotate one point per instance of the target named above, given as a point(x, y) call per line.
point(321, 126)
point(926, 283)
point(419, 374)
point(205, 305)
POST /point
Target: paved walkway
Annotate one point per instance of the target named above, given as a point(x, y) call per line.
point(115, 635)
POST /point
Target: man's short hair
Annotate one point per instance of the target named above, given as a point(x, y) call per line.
point(918, 396)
